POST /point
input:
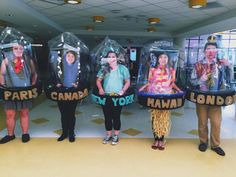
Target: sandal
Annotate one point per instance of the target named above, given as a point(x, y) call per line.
point(155, 145)
point(161, 145)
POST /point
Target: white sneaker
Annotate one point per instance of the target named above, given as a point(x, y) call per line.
point(107, 139)
point(115, 140)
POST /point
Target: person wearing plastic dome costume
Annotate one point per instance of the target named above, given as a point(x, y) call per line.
point(207, 76)
point(17, 71)
point(68, 79)
point(116, 80)
point(161, 80)
point(67, 109)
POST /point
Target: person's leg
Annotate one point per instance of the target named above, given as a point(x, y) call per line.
point(215, 119)
point(161, 143)
point(64, 121)
point(71, 120)
point(156, 142)
point(116, 124)
point(24, 122)
point(116, 119)
point(10, 121)
point(202, 113)
point(160, 127)
point(108, 123)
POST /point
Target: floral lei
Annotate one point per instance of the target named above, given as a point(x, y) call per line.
point(18, 64)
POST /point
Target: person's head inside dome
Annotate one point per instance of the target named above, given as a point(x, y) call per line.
point(70, 57)
point(210, 51)
point(112, 59)
point(18, 50)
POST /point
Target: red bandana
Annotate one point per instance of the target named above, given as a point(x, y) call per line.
point(18, 65)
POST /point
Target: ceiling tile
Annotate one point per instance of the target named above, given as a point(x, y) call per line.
point(41, 4)
point(149, 8)
point(96, 2)
point(171, 4)
point(133, 3)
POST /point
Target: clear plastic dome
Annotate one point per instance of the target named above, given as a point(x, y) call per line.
point(157, 67)
point(69, 68)
point(99, 55)
point(110, 65)
point(156, 80)
point(18, 62)
point(209, 72)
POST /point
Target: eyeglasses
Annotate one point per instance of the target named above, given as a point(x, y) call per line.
point(18, 48)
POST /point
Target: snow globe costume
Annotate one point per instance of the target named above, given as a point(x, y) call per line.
point(69, 78)
point(112, 90)
point(208, 80)
point(157, 87)
point(19, 80)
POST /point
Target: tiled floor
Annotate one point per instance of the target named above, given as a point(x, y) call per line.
point(132, 157)
point(45, 121)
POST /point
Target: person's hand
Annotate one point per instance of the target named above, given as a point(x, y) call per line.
point(224, 62)
point(74, 85)
point(2, 85)
point(180, 91)
point(59, 85)
point(121, 92)
point(203, 77)
point(101, 92)
point(34, 79)
point(141, 89)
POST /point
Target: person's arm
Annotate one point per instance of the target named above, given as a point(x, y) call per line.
point(99, 85)
point(3, 72)
point(174, 86)
point(143, 87)
point(126, 86)
point(173, 80)
point(34, 75)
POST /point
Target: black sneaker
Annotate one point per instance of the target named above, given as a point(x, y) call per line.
point(62, 137)
point(115, 140)
point(107, 139)
point(72, 138)
point(25, 138)
point(7, 138)
point(202, 147)
point(218, 151)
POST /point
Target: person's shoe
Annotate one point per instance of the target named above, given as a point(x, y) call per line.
point(218, 151)
point(202, 147)
point(155, 145)
point(107, 139)
point(161, 145)
point(72, 137)
point(62, 137)
point(115, 140)
point(25, 138)
point(7, 138)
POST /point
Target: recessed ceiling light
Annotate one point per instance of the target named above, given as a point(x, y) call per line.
point(196, 4)
point(98, 19)
point(72, 1)
point(90, 28)
point(151, 29)
point(154, 20)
